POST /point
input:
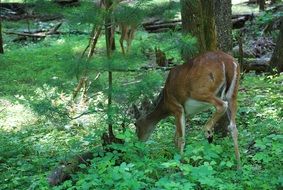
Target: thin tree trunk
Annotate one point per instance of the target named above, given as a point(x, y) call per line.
point(241, 51)
point(276, 61)
point(1, 38)
point(109, 45)
point(94, 40)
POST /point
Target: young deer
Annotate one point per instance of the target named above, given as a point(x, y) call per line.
point(210, 79)
point(127, 34)
point(128, 21)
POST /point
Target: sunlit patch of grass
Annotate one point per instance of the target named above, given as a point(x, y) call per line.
point(14, 115)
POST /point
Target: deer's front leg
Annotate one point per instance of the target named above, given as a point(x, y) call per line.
point(180, 129)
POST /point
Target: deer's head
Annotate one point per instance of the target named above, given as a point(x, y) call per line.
point(143, 129)
point(144, 124)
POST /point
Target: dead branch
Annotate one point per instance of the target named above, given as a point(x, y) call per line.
point(69, 167)
point(66, 168)
point(54, 29)
point(38, 34)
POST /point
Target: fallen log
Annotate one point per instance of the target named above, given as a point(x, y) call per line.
point(15, 8)
point(162, 25)
point(43, 18)
point(258, 65)
point(27, 34)
point(69, 167)
point(157, 25)
point(67, 2)
point(239, 22)
point(249, 15)
point(160, 30)
point(66, 168)
point(158, 21)
point(39, 33)
point(18, 11)
point(252, 2)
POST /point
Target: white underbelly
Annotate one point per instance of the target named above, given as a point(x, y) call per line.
point(194, 106)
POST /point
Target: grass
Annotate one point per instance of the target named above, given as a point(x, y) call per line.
point(36, 85)
point(31, 144)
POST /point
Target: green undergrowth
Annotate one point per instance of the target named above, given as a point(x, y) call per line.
point(29, 153)
point(37, 80)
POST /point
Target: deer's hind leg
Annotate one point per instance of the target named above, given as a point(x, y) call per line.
point(124, 31)
point(220, 106)
point(233, 128)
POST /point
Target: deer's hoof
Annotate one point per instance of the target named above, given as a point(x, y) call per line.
point(210, 139)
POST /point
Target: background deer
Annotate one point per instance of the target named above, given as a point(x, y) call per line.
point(210, 79)
point(128, 22)
point(127, 34)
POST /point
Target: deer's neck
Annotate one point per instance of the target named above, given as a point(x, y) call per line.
point(159, 112)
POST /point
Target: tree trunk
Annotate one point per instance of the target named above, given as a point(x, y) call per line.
point(192, 22)
point(198, 19)
point(109, 47)
point(209, 24)
point(223, 16)
point(277, 56)
point(201, 18)
point(1, 38)
point(261, 4)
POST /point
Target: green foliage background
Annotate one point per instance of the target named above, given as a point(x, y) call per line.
point(36, 132)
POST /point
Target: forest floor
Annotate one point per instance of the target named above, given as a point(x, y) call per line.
point(32, 141)
point(37, 128)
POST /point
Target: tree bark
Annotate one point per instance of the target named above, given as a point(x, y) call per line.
point(277, 56)
point(192, 22)
point(223, 16)
point(1, 38)
point(261, 4)
point(109, 45)
point(201, 18)
point(198, 19)
point(208, 10)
